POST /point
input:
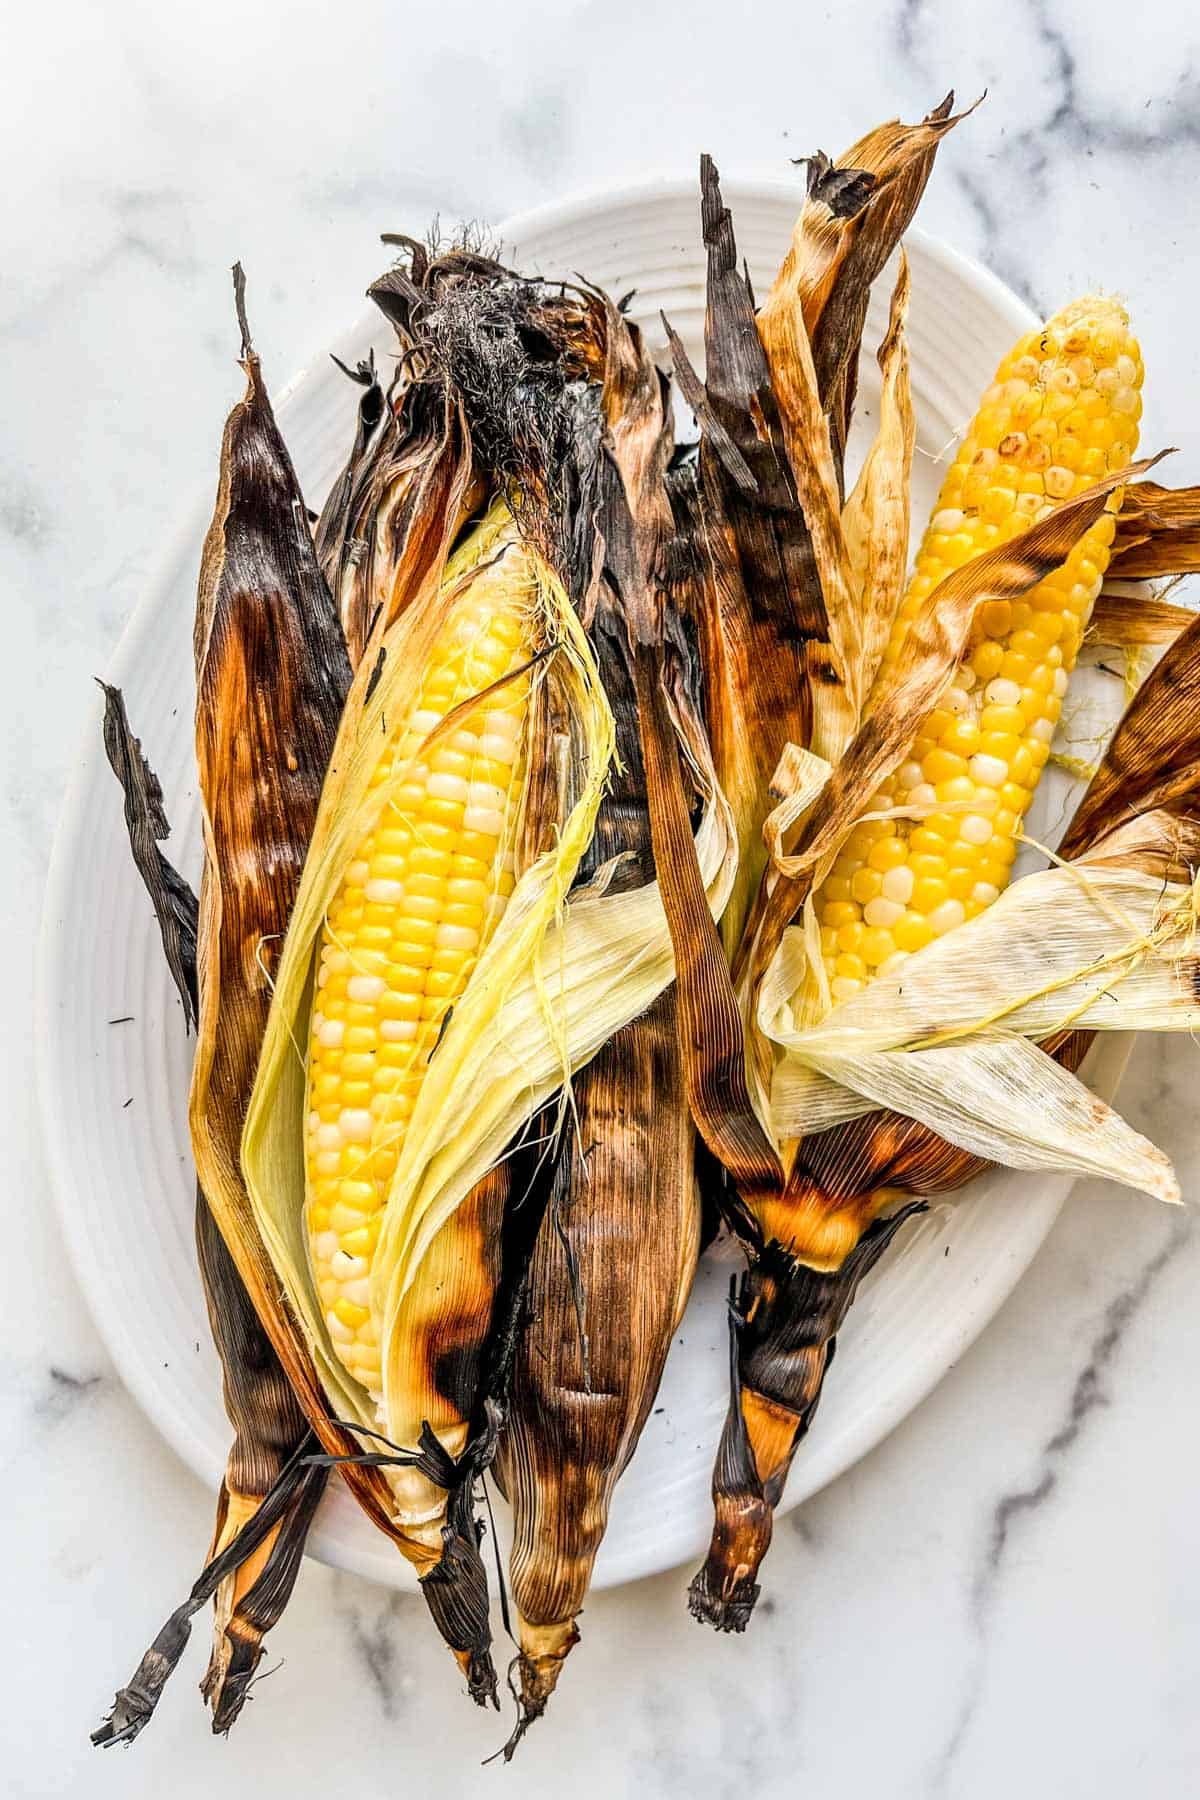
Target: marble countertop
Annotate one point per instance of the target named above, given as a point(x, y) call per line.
point(1005, 1596)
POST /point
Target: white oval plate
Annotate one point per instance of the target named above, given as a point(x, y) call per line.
point(114, 1094)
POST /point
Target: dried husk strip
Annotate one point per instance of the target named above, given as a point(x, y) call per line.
point(1139, 820)
point(875, 518)
point(1158, 533)
point(855, 214)
point(757, 596)
point(1132, 620)
point(265, 1467)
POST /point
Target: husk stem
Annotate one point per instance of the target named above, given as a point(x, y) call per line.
point(842, 1201)
point(265, 1471)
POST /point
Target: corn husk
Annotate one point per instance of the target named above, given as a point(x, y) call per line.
point(557, 978)
point(856, 212)
point(268, 1495)
point(265, 625)
point(409, 483)
point(616, 1253)
point(1120, 937)
point(745, 566)
point(1158, 533)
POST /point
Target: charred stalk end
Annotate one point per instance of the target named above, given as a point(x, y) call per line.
point(228, 1679)
point(480, 1672)
point(133, 1706)
point(456, 1593)
point(537, 1671)
point(783, 1322)
point(724, 1591)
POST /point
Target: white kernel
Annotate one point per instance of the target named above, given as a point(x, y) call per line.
point(1042, 730)
point(322, 974)
point(898, 885)
point(456, 937)
point(956, 701)
point(1125, 400)
point(482, 793)
point(336, 961)
point(983, 893)
point(341, 1334)
point(843, 986)
point(989, 771)
point(325, 1246)
point(424, 721)
point(923, 794)
point(1126, 370)
point(885, 913)
point(484, 820)
point(892, 963)
point(966, 677)
point(365, 988)
point(357, 1292)
point(357, 873)
point(447, 787)
point(465, 741)
point(327, 1162)
point(1060, 683)
point(502, 725)
point(314, 1121)
point(355, 1125)
point(1059, 483)
point(946, 916)
point(398, 1031)
point(950, 519)
point(346, 1267)
point(909, 775)
point(329, 1138)
point(1106, 381)
point(498, 749)
point(331, 1034)
point(382, 891)
point(975, 829)
point(1002, 693)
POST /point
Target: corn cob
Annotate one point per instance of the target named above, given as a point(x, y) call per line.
point(417, 903)
point(1061, 414)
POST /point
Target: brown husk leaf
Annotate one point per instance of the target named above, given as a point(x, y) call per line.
point(272, 674)
point(1158, 533)
point(856, 212)
point(270, 1431)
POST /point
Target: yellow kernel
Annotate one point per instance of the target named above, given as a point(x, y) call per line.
point(839, 912)
point(866, 884)
point(877, 946)
point(849, 937)
point(887, 853)
point(912, 932)
point(853, 968)
point(928, 892)
point(988, 660)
